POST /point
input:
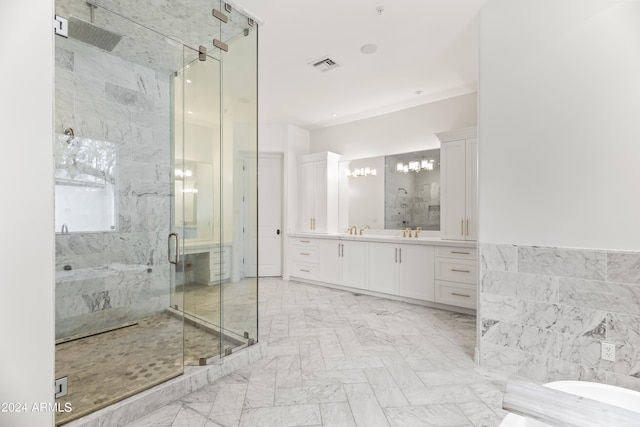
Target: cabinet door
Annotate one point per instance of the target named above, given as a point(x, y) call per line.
point(306, 195)
point(453, 163)
point(382, 267)
point(416, 272)
point(320, 197)
point(330, 260)
point(354, 264)
point(471, 208)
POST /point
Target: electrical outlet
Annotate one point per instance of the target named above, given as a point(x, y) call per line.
point(608, 351)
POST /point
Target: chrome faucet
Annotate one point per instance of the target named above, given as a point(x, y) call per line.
point(65, 229)
point(353, 230)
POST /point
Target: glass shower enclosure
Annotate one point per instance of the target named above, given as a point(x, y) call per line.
point(155, 194)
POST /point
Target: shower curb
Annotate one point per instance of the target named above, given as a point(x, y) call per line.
point(194, 378)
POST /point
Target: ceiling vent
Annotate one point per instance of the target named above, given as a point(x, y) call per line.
point(325, 64)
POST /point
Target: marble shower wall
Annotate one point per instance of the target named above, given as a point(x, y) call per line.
point(545, 311)
point(420, 207)
point(120, 276)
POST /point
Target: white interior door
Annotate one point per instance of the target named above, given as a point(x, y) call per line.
point(270, 215)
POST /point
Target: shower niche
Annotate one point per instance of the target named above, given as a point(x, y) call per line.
point(153, 140)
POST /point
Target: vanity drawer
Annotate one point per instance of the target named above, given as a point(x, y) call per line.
point(461, 253)
point(304, 271)
point(302, 241)
point(304, 253)
point(464, 271)
point(458, 294)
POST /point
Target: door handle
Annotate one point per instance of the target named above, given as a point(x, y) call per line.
point(278, 232)
point(176, 260)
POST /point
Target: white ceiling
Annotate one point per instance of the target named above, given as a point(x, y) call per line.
point(423, 45)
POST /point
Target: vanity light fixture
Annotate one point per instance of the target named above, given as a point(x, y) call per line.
point(415, 166)
point(180, 173)
point(361, 172)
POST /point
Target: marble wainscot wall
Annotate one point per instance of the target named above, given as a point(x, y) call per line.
point(545, 311)
point(122, 275)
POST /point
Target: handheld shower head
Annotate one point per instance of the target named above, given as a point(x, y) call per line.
point(403, 189)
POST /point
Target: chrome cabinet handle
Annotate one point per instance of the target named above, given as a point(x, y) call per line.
point(177, 257)
point(462, 227)
point(339, 250)
point(305, 241)
point(400, 257)
point(461, 295)
point(467, 227)
point(342, 252)
point(304, 253)
point(306, 271)
point(396, 255)
point(460, 271)
point(461, 253)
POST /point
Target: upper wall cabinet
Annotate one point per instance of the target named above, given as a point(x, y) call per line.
point(459, 175)
point(318, 192)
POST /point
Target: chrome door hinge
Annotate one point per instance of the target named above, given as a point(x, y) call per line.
point(60, 387)
point(61, 26)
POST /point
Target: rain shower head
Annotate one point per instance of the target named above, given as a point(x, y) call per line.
point(89, 33)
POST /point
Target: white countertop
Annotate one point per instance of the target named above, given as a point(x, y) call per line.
point(387, 238)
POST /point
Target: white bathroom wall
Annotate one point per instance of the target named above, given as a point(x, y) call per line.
point(26, 319)
point(558, 197)
point(403, 131)
point(559, 108)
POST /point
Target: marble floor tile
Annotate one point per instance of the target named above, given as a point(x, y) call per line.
point(336, 359)
point(282, 416)
point(364, 406)
point(337, 414)
point(427, 416)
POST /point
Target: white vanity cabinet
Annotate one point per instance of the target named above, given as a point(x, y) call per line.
point(410, 270)
point(343, 263)
point(318, 192)
point(458, 180)
point(404, 270)
point(304, 258)
point(456, 276)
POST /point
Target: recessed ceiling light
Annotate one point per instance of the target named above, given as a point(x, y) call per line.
point(333, 114)
point(188, 81)
point(418, 92)
point(368, 48)
point(190, 112)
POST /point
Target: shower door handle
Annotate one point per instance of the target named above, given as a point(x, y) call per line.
point(176, 247)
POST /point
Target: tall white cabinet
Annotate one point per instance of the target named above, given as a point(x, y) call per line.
point(458, 180)
point(318, 192)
